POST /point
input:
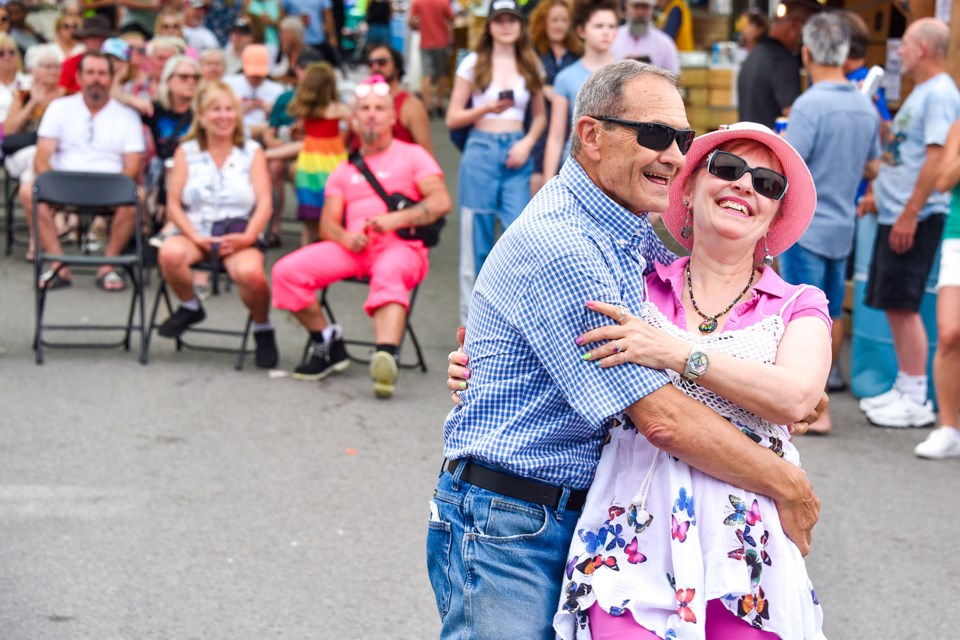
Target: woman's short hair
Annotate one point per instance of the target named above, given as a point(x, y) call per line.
point(166, 42)
point(169, 68)
point(6, 40)
point(206, 94)
point(602, 93)
point(294, 25)
point(827, 37)
point(42, 53)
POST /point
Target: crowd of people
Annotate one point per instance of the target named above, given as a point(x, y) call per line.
point(628, 428)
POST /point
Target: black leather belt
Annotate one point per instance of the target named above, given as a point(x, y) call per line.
point(520, 488)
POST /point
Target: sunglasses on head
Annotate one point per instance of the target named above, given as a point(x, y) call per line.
point(378, 61)
point(376, 88)
point(730, 167)
point(653, 135)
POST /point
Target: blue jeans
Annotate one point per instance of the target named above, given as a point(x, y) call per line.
point(802, 266)
point(496, 563)
point(489, 191)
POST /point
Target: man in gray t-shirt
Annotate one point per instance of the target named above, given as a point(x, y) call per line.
point(911, 218)
point(837, 131)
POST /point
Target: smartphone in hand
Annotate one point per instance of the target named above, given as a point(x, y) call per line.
point(506, 94)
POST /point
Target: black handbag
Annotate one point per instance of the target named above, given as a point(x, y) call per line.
point(429, 234)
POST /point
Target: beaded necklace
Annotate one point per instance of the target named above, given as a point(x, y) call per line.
point(709, 324)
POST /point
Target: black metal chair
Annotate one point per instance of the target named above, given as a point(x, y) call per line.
point(89, 193)
point(9, 146)
point(215, 269)
point(407, 331)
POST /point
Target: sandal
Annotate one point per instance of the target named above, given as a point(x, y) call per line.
point(111, 281)
point(50, 281)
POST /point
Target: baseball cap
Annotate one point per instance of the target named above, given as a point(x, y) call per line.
point(117, 48)
point(309, 56)
point(500, 7)
point(242, 25)
point(256, 60)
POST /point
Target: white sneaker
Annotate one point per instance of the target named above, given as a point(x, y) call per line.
point(902, 413)
point(875, 402)
point(942, 443)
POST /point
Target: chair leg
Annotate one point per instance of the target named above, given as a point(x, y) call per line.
point(39, 293)
point(142, 295)
point(242, 354)
point(161, 288)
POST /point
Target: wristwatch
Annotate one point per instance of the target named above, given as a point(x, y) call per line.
point(696, 366)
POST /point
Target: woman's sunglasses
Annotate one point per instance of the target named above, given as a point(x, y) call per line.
point(730, 167)
point(376, 88)
point(653, 135)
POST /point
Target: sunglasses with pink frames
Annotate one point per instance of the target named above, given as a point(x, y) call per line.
point(381, 89)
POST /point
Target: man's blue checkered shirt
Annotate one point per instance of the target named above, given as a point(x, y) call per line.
point(534, 406)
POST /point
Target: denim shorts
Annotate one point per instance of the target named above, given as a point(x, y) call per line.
point(495, 563)
point(802, 266)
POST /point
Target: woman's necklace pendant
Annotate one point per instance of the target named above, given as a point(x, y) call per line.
point(708, 326)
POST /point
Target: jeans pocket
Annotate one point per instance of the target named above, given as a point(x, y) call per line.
point(439, 540)
point(513, 520)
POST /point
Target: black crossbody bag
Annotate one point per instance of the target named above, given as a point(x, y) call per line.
point(429, 234)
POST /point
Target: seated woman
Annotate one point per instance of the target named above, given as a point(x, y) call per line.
point(27, 109)
point(663, 550)
point(218, 196)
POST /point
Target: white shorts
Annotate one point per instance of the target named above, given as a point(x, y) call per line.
point(949, 264)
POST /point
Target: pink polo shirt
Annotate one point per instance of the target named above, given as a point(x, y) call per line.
point(665, 287)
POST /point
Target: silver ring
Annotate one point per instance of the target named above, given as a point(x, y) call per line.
point(616, 347)
point(623, 314)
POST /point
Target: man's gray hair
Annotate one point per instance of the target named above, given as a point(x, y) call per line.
point(602, 93)
point(827, 37)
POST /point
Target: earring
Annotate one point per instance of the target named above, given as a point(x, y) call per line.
point(687, 230)
point(767, 258)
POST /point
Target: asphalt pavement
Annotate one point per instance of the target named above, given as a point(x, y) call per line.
point(184, 499)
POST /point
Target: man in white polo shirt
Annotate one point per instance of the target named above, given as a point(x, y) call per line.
point(88, 131)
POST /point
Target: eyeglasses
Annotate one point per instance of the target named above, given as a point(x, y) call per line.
point(376, 88)
point(730, 167)
point(655, 136)
point(187, 76)
point(69, 27)
point(170, 25)
point(378, 62)
point(8, 53)
point(140, 50)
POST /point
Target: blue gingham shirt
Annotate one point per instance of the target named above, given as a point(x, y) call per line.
point(534, 406)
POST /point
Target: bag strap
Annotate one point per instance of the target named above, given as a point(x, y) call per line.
point(357, 160)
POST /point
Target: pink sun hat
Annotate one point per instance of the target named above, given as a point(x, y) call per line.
point(797, 206)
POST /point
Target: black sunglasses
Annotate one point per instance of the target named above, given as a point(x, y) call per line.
point(655, 136)
point(377, 61)
point(766, 182)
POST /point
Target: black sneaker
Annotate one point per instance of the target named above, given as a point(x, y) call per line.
point(322, 359)
point(267, 355)
point(180, 321)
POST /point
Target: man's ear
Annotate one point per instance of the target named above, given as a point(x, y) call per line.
point(589, 131)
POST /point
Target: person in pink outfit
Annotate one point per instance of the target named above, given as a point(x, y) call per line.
point(359, 238)
point(663, 550)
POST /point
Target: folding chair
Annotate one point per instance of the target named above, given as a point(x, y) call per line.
point(407, 331)
point(215, 269)
point(9, 146)
point(90, 193)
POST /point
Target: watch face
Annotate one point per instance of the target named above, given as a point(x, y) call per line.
point(697, 363)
